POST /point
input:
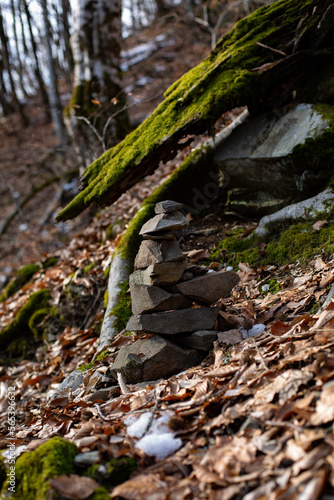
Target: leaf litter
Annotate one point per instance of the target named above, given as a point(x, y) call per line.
point(254, 420)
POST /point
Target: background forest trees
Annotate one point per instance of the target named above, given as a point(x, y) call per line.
point(69, 54)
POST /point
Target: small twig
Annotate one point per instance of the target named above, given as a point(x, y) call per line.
point(276, 51)
point(153, 411)
point(124, 388)
point(260, 354)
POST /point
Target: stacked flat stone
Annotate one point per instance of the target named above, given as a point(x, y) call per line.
point(161, 298)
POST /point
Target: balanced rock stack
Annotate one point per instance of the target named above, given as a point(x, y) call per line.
point(163, 289)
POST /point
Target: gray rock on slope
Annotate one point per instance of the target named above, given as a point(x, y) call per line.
point(208, 288)
point(154, 358)
point(163, 222)
point(158, 274)
point(146, 298)
point(173, 322)
point(167, 206)
point(155, 252)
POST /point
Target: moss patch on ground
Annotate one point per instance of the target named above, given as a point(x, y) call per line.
point(19, 327)
point(219, 83)
point(34, 470)
point(22, 277)
point(299, 242)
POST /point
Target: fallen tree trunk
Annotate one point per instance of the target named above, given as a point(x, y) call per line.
point(241, 70)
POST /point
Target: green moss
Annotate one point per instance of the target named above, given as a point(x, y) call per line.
point(86, 366)
point(35, 321)
point(221, 82)
point(122, 311)
point(22, 277)
point(34, 470)
point(106, 298)
point(114, 472)
point(19, 327)
point(103, 355)
point(274, 287)
point(51, 261)
point(89, 267)
point(298, 242)
point(318, 153)
point(100, 494)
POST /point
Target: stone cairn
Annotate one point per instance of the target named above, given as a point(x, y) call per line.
point(163, 288)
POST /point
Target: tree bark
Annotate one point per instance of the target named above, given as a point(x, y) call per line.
point(38, 73)
point(97, 92)
point(54, 98)
point(6, 61)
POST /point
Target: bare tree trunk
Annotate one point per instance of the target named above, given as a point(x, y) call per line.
point(97, 92)
point(38, 74)
point(6, 107)
point(18, 53)
point(65, 31)
point(6, 62)
point(54, 99)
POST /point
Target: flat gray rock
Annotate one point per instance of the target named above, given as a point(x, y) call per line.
point(146, 298)
point(158, 274)
point(208, 288)
point(202, 340)
point(160, 235)
point(155, 252)
point(173, 322)
point(167, 206)
point(153, 359)
point(164, 222)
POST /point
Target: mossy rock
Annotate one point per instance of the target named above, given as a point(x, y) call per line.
point(19, 327)
point(24, 274)
point(122, 311)
point(35, 469)
point(226, 79)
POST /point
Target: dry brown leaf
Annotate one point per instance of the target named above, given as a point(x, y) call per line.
point(325, 406)
point(74, 487)
point(143, 486)
point(320, 224)
point(230, 337)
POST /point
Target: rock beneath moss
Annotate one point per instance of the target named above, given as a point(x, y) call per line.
point(164, 222)
point(173, 322)
point(167, 206)
point(256, 160)
point(153, 359)
point(208, 288)
point(146, 298)
point(159, 274)
point(155, 252)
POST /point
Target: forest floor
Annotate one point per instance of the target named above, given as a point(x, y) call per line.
point(254, 420)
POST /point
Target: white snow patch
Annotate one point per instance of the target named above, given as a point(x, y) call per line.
point(229, 268)
point(159, 441)
point(253, 332)
point(265, 288)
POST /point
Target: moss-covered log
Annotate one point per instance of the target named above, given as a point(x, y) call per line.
point(19, 327)
point(22, 277)
point(233, 75)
